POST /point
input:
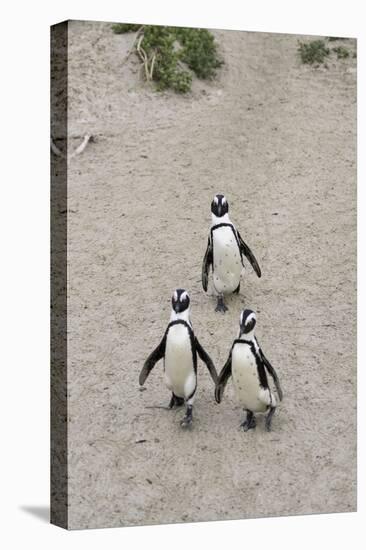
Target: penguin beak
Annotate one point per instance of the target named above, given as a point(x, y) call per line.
point(219, 210)
point(176, 308)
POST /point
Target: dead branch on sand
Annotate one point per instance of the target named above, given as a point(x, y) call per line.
point(143, 56)
point(56, 151)
point(133, 47)
point(147, 63)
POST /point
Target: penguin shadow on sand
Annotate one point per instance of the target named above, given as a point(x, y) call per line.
point(179, 347)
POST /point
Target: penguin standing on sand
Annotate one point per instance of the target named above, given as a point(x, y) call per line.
point(225, 250)
point(179, 348)
point(248, 366)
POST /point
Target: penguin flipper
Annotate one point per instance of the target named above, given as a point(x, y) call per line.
point(150, 362)
point(206, 359)
point(207, 261)
point(273, 373)
point(244, 249)
point(223, 379)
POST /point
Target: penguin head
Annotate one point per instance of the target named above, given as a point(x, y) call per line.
point(248, 321)
point(180, 300)
point(219, 206)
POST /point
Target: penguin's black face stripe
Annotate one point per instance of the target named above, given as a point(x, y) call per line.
point(249, 326)
point(219, 206)
point(247, 321)
point(180, 300)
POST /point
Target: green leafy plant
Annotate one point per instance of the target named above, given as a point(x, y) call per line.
point(313, 52)
point(342, 52)
point(170, 54)
point(199, 51)
point(121, 28)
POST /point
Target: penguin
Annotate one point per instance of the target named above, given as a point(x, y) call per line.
point(248, 367)
point(179, 348)
point(224, 253)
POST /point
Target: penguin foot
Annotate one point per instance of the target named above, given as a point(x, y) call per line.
point(176, 401)
point(221, 305)
point(187, 420)
point(269, 418)
point(249, 423)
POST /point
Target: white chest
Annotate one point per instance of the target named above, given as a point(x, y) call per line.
point(226, 260)
point(245, 379)
point(178, 360)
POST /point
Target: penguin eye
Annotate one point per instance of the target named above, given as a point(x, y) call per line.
point(249, 325)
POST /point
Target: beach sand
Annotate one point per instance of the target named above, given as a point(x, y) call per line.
point(278, 138)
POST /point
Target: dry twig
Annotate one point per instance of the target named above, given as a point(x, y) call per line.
point(133, 47)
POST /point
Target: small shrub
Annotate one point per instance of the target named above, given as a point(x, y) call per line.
point(167, 53)
point(121, 28)
point(342, 52)
point(313, 52)
point(199, 51)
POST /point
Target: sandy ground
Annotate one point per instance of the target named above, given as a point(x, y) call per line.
point(279, 139)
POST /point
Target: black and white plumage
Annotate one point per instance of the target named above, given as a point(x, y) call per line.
point(249, 367)
point(224, 254)
point(179, 348)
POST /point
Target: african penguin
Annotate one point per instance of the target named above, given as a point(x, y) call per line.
point(179, 348)
point(248, 366)
point(224, 253)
